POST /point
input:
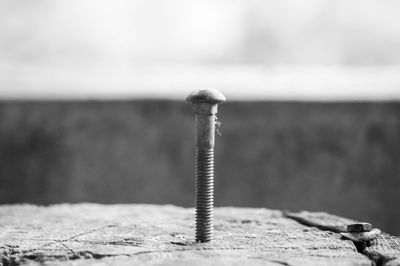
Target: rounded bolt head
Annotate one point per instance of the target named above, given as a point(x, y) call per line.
point(206, 96)
point(359, 227)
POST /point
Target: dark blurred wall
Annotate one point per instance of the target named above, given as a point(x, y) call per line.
point(343, 158)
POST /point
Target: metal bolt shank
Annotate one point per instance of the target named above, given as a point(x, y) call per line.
point(205, 107)
point(205, 125)
point(204, 194)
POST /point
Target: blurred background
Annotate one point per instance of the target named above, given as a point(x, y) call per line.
point(92, 103)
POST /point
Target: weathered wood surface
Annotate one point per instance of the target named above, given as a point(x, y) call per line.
point(383, 250)
point(91, 234)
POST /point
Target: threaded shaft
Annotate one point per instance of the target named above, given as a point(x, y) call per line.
point(204, 194)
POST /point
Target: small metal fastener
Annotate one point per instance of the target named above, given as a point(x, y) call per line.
point(361, 232)
point(205, 107)
point(362, 236)
point(359, 227)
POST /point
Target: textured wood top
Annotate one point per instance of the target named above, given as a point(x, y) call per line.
point(91, 234)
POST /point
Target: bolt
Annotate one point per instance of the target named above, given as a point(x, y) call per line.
point(362, 236)
point(359, 227)
point(205, 107)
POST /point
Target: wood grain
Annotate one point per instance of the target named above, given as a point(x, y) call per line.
point(91, 234)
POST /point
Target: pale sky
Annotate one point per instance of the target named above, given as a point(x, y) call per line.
point(252, 49)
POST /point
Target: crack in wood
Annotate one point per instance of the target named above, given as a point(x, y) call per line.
point(382, 251)
point(89, 232)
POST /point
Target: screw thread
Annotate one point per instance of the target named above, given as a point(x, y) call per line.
point(204, 194)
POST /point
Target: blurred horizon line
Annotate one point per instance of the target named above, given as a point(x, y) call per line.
point(175, 81)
